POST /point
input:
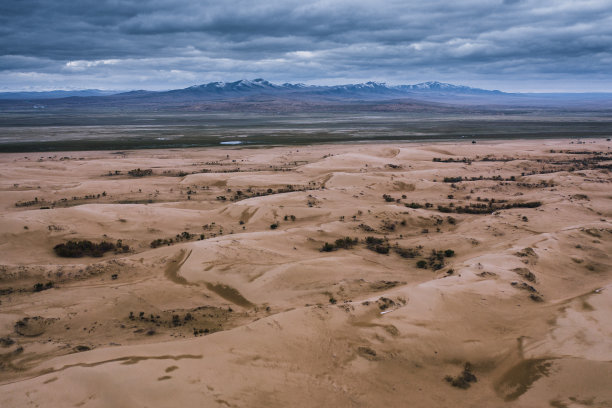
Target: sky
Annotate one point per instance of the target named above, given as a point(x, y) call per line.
point(510, 45)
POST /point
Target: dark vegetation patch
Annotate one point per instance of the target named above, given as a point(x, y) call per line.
point(434, 261)
point(341, 243)
point(486, 274)
point(526, 253)
point(77, 249)
point(491, 207)
point(183, 236)
point(367, 353)
point(384, 285)
point(525, 273)
point(32, 326)
point(533, 292)
point(39, 287)
point(6, 341)
point(379, 245)
point(140, 173)
point(366, 228)
point(62, 202)
point(201, 320)
point(580, 197)
point(464, 379)
point(408, 252)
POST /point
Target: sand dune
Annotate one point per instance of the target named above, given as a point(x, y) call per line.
point(492, 290)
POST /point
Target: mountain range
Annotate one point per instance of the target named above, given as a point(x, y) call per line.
point(259, 94)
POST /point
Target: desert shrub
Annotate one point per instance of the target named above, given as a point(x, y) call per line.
point(274, 226)
point(448, 253)
point(346, 242)
point(464, 379)
point(39, 287)
point(413, 205)
point(327, 247)
point(388, 225)
point(377, 245)
point(407, 252)
point(340, 243)
point(421, 264)
point(388, 198)
point(159, 242)
point(444, 209)
point(374, 241)
point(436, 260)
point(453, 179)
point(382, 249)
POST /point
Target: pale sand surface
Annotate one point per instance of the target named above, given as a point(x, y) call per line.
point(276, 322)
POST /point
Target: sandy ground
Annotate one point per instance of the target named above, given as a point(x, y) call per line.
point(238, 306)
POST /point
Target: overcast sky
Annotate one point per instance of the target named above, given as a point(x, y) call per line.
point(511, 45)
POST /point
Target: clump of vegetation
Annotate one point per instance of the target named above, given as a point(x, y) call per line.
point(183, 236)
point(327, 247)
point(341, 243)
point(346, 242)
point(77, 249)
point(140, 173)
point(377, 244)
point(274, 226)
point(435, 260)
point(6, 341)
point(39, 287)
point(492, 206)
point(366, 227)
point(453, 179)
point(464, 379)
point(525, 273)
point(388, 225)
point(388, 198)
point(413, 205)
point(408, 252)
point(159, 242)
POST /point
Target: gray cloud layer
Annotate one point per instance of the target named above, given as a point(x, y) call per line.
point(160, 44)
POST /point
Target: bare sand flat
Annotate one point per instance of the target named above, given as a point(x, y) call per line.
point(401, 275)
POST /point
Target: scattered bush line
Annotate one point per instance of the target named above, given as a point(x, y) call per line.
point(183, 236)
point(434, 261)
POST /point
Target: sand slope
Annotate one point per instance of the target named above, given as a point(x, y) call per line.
point(243, 309)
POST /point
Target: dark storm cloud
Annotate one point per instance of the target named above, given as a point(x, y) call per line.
point(168, 43)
